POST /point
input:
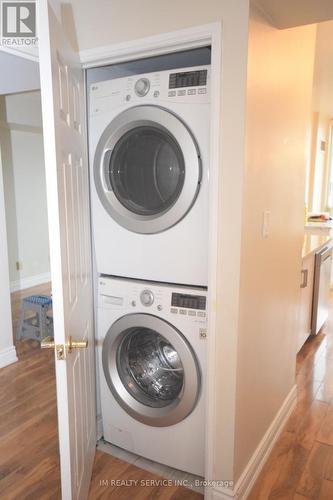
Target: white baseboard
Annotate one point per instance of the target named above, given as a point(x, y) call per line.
point(251, 472)
point(22, 284)
point(7, 356)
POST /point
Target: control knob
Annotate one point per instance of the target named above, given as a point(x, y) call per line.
point(142, 87)
point(147, 297)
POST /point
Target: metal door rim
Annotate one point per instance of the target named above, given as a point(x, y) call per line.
point(186, 401)
point(167, 121)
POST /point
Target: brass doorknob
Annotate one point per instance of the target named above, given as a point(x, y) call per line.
point(76, 344)
point(48, 343)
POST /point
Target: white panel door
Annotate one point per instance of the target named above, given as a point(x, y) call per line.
point(62, 88)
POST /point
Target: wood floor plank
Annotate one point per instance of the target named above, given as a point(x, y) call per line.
point(290, 472)
point(325, 392)
point(326, 490)
point(311, 424)
point(305, 396)
point(325, 434)
point(315, 470)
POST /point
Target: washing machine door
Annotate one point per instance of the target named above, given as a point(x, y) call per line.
point(147, 169)
point(151, 369)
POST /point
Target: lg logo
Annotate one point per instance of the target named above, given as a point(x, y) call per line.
point(18, 19)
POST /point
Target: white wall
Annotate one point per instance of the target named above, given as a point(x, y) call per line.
point(25, 191)
point(279, 91)
point(7, 350)
point(17, 74)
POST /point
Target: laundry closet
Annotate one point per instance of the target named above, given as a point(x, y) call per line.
point(148, 137)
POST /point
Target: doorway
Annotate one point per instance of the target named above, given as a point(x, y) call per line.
point(29, 455)
point(25, 200)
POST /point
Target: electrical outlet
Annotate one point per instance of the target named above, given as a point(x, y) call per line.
point(19, 265)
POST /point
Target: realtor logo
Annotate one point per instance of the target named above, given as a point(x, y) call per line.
point(18, 19)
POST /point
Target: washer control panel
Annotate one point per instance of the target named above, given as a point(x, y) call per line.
point(186, 303)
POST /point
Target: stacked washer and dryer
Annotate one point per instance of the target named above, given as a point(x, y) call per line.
point(148, 141)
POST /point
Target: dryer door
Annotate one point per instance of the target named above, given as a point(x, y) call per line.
point(147, 169)
point(151, 369)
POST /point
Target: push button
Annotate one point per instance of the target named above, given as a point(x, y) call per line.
point(173, 310)
point(201, 314)
point(182, 311)
point(192, 313)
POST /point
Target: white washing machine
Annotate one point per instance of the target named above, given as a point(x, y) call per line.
point(152, 352)
point(148, 142)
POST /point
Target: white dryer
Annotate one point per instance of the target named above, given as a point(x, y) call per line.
point(152, 352)
point(148, 141)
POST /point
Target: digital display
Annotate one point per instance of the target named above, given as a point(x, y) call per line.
point(188, 301)
point(188, 79)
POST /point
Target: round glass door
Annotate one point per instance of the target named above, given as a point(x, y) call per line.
point(147, 169)
point(151, 369)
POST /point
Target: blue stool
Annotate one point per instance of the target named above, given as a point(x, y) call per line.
point(38, 325)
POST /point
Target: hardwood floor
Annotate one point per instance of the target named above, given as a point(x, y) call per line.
point(138, 484)
point(300, 466)
point(29, 463)
point(29, 455)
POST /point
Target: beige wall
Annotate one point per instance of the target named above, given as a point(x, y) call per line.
point(279, 90)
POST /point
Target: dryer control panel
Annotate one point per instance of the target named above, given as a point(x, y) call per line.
point(188, 85)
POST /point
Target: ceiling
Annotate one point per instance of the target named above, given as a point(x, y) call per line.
point(291, 13)
point(17, 74)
